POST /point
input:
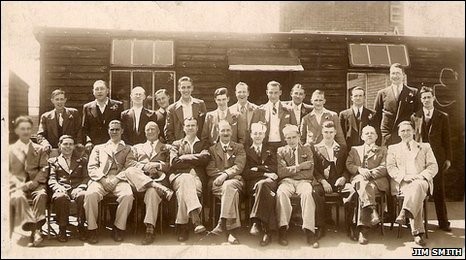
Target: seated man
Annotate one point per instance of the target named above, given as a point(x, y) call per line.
point(261, 177)
point(330, 162)
point(68, 180)
point(149, 169)
point(412, 167)
point(366, 163)
point(225, 166)
point(106, 161)
point(28, 176)
point(187, 174)
point(296, 173)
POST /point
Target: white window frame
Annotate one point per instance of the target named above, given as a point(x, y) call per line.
point(153, 65)
point(352, 64)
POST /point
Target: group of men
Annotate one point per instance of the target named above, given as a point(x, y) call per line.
point(269, 153)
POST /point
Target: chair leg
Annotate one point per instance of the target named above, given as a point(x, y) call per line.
point(382, 211)
point(49, 226)
point(425, 218)
point(337, 209)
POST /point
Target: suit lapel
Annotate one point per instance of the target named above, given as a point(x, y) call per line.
point(433, 120)
point(179, 112)
point(157, 149)
point(195, 109)
point(352, 120)
point(66, 118)
point(132, 119)
point(62, 162)
point(249, 112)
point(54, 123)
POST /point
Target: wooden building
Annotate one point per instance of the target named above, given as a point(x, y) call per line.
point(72, 59)
point(18, 91)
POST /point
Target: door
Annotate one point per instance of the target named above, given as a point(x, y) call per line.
point(257, 82)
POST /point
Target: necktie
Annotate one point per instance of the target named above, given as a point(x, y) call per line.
point(243, 110)
point(225, 148)
point(409, 147)
point(293, 156)
point(274, 110)
point(152, 150)
point(60, 119)
point(358, 115)
point(364, 161)
point(427, 117)
point(258, 151)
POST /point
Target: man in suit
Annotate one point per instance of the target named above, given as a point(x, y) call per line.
point(185, 107)
point(366, 164)
point(28, 176)
point(163, 101)
point(68, 181)
point(394, 104)
point(59, 121)
point(261, 177)
point(134, 120)
point(97, 114)
point(210, 132)
point(355, 118)
point(274, 114)
point(330, 159)
point(412, 167)
point(245, 110)
point(105, 162)
point(148, 175)
point(188, 159)
point(298, 108)
point(224, 168)
point(432, 126)
point(311, 124)
point(296, 173)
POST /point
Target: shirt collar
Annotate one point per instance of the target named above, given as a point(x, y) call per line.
point(223, 145)
point(155, 142)
point(322, 143)
point(428, 110)
point(324, 110)
point(257, 146)
point(137, 109)
point(109, 142)
point(271, 104)
point(296, 106)
point(196, 139)
point(189, 103)
point(355, 110)
point(105, 104)
point(23, 145)
point(161, 110)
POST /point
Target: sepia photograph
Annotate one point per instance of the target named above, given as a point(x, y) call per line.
point(239, 129)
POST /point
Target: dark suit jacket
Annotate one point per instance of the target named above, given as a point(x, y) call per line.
point(352, 129)
point(337, 169)
point(128, 119)
point(284, 114)
point(210, 133)
point(174, 124)
point(161, 119)
point(48, 126)
point(310, 125)
point(389, 112)
point(265, 163)
point(439, 134)
point(182, 162)
point(95, 124)
point(233, 166)
point(305, 109)
point(68, 178)
point(375, 162)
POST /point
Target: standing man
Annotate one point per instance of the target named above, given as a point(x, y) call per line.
point(394, 104)
point(185, 107)
point(433, 126)
point(225, 166)
point(311, 124)
point(296, 104)
point(134, 120)
point(188, 159)
point(163, 101)
point(210, 131)
point(274, 114)
point(245, 110)
point(28, 177)
point(355, 118)
point(105, 163)
point(59, 121)
point(412, 167)
point(261, 177)
point(97, 115)
point(366, 164)
point(296, 174)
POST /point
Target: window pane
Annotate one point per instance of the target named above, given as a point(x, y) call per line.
point(142, 53)
point(121, 86)
point(144, 80)
point(163, 53)
point(122, 52)
point(398, 54)
point(358, 54)
point(379, 55)
point(166, 80)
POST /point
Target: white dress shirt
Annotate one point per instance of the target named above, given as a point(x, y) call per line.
point(137, 115)
point(102, 108)
point(187, 108)
point(397, 90)
point(274, 133)
point(355, 111)
point(409, 157)
point(297, 112)
point(428, 113)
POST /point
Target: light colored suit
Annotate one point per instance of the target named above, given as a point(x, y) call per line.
point(210, 133)
point(175, 119)
point(232, 163)
point(31, 170)
point(49, 128)
point(415, 191)
point(244, 121)
point(103, 162)
point(309, 124)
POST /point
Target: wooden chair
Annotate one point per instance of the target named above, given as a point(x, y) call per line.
point(398, 200)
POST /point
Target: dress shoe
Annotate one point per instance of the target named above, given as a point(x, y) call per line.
point(445, 227)
point(282, 237)
point(266, 239)
point(254, 229)
point(62, 235)
point(199, 229)
point(183, 233)
point(82, 233)
point(362, 238)
point(375, 219)
point(312, 239)
point(401, 219)
point(148, 238)
point(232, 239)
point(117, 234)
point(92, 239)
point(217, 230)
point(29, 226)
point(419, 240)
point(36, 238)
